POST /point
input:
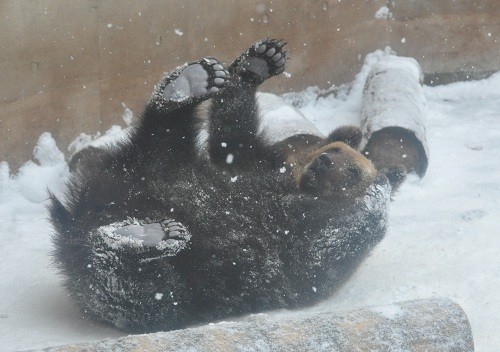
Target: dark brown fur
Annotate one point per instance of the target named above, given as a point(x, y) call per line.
point(263, 234)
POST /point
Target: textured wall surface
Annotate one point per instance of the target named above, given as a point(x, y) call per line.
point(70, 66)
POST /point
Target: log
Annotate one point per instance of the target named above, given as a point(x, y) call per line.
point(422, 325)
point(393, 105)
point(280, 120)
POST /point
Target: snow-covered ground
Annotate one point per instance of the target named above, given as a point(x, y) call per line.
point(443, 238)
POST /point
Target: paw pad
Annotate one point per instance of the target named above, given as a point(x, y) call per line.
point(266, 58)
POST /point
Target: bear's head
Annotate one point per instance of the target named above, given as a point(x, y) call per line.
point(332, 167)
point(336, 169)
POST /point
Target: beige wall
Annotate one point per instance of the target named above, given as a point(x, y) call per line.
point(66, 66)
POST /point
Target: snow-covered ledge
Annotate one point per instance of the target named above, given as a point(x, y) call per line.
point(423, 325)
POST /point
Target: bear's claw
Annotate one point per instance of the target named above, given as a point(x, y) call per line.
point(177, 237)
point(217, 75)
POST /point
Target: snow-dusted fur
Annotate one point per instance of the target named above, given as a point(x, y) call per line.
point(154, 235)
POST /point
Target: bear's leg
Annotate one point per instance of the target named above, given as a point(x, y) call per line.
point(131, 278)
point(169, 121)
point(234, 115)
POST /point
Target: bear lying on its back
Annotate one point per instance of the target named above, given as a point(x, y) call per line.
point(155, 235)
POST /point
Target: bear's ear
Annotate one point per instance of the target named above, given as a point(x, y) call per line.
point(350, 135)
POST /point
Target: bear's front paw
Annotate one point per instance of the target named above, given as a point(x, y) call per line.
point(264, 59)
point(192, 82)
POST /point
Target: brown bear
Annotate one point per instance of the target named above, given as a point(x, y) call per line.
point(156, 235)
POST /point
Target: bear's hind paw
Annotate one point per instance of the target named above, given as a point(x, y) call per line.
point(150, 239)
point(192, 83)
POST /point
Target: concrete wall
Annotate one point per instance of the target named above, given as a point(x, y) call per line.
point(70, 66)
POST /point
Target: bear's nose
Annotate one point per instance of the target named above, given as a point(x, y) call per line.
point(325, 161)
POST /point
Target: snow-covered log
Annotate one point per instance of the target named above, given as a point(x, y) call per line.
point(423, 325)
point(393, 105)
point(280, 120)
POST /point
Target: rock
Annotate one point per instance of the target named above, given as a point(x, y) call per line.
point(422, 325)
